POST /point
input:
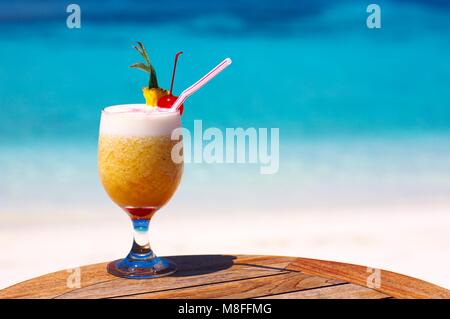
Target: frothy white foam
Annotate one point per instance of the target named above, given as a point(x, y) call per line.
point(138, 120)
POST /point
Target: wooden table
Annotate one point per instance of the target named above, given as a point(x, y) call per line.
point(227, 276)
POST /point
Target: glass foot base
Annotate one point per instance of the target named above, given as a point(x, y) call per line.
point(142, 269)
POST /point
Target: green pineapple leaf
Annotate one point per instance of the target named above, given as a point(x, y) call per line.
point(153, 80)
point(141, 66)
point(144, 53)
point(138, 50)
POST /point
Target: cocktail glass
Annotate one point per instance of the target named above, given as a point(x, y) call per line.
point(140, 174)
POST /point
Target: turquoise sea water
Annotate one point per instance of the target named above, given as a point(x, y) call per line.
point(322, 73)
point(312, 69)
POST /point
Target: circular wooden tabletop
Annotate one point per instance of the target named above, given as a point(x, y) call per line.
point(228, 276)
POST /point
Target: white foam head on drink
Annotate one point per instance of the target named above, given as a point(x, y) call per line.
point(138, 120)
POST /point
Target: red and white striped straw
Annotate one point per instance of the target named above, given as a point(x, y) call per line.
point(197, 85)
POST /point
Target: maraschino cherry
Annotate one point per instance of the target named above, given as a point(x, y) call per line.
point(168, 100)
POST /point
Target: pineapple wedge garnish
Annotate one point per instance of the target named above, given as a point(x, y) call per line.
point(153, 95)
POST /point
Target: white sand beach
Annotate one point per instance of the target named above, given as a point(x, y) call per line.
point(414, 246)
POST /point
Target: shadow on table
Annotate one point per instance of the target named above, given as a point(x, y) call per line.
point(194, 265)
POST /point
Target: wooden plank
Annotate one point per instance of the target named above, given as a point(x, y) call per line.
point(248, 288)
point(344, 291)
point(392, 284)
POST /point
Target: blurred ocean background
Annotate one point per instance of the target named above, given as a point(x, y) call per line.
point(364, 118)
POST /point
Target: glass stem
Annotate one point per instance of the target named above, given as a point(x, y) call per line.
point(141, 249)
